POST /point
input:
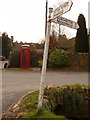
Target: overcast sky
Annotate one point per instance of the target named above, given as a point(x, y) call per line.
point(25, 19)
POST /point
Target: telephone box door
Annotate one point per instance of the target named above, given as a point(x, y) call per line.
point(25, 58)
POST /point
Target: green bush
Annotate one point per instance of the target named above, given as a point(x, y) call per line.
point(14, 60)
point(58, 59)
point(35, 57)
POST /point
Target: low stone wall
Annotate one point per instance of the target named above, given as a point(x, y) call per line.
point(81, 60)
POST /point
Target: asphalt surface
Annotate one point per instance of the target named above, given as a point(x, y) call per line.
point(17, 83)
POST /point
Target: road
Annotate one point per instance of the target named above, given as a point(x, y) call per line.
point(17, 83)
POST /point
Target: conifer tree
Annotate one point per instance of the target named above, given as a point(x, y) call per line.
point(81, 40)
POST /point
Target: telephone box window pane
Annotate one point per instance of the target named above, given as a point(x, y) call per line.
point(24, 57)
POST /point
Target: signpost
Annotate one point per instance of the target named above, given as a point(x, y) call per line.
point(62, 9)
point(66, 22)
point(60, 20)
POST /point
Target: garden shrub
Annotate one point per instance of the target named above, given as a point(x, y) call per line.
point(35, 57)
point(14, 60)
point(70, 101)
point(58, 59)
point(40, 62)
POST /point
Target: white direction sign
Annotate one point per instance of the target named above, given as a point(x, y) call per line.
point(62, 9)
point(66, 22)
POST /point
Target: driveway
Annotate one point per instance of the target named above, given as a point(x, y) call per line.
point(17, 83)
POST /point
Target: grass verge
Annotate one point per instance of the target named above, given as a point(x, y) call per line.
point(28, 109)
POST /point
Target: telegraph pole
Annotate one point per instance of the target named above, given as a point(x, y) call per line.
point(44, 66)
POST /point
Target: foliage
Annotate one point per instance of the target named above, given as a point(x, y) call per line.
point(14, 60)
point(54, 44)
point(40, 62)
point(58, 59)
point(35, 57)
point(6, 45)
point(53, 40)
point(67, 100)
point(81, 40)
point(58, 47)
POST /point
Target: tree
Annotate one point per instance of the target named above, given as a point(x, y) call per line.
point(6, 45)
point(81, 40)
point(14, 59)
point(53, 40)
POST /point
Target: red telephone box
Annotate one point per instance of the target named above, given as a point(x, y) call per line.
point(25, 56)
